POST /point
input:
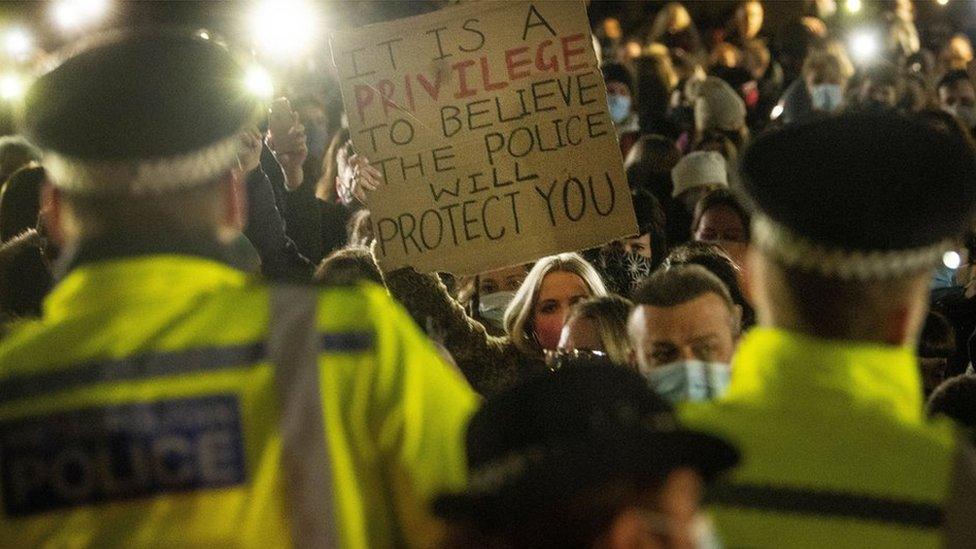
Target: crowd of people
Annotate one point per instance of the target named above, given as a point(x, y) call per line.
point(198, 345)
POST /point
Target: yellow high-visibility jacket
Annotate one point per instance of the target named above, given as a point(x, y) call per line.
point(162, 401)
point(836, 451)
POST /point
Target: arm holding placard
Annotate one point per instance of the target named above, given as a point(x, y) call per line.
point(489, 363)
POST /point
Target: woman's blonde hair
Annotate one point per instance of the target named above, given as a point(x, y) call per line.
point(518, 315)
point(609, 316)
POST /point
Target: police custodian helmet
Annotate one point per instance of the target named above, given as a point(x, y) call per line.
point(171, 122)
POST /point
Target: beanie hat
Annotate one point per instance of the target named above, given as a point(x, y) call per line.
point(718, 107)
point(699, 169)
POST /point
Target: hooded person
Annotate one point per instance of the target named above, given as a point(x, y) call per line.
point(621, 97)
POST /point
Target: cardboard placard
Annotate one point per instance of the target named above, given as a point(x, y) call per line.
point(489, 122)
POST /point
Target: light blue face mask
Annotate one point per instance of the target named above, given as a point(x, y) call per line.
point(944, 277)
point(492, 307)
point(619, 106)
point(692, 380)
point(826, 97)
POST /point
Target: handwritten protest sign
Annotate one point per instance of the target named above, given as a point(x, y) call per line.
point(489, 123)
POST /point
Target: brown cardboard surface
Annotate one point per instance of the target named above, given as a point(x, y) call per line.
point(489, 122)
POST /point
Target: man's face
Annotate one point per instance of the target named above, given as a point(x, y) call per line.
point(959, 93)
point(699, 329)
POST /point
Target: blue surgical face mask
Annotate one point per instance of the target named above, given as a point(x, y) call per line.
point(690, 380)
point(826, 97)
point(619, 106)
point(316, 138)
point(492, 307)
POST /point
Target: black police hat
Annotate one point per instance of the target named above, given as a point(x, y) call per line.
point(860, 196)
point(577, 428)
point(140, 111)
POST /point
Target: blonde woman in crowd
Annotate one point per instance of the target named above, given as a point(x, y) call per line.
point(533, 320)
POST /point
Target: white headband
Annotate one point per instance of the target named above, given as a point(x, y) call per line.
point(157, 175)
point(793, 250)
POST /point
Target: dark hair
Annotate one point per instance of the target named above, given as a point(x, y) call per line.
point(651, 220)
point(649, 166)
point(677, 285)
point(348, 266)
point(952, 77)
point(938, 339)
point(712, 257)
point(20, 201)
point(616, 72)
point(885, 73)
point(721, 197)
point(956, 399)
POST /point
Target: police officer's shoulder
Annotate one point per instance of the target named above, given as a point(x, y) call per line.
point(15, 335)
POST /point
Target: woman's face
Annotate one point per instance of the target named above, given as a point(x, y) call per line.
point(559, 291)
point(503, 280)
point(720, 223)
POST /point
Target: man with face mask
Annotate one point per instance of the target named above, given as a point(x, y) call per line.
point(620, 102)
point(957, 96)
point(824, 77)
point(684, 330)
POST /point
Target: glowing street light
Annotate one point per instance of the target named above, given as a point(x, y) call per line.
point(259, 82)
point(853, 6)
point(284, 28)
point(74, 15)
point(18, 43)
point(864, 46)
point(12, 86)
point(951, 260)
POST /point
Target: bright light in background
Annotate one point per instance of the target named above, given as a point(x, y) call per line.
point(942, 2)
point(776, 112)
point(284, 28)
point(12, 86)
point(951, 260)
point(864, 45)
point(72, 15)
point(853, 6)
point(204, 33)
point(259, 82)
point(18, 43)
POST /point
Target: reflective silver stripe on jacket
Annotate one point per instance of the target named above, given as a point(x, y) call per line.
point(293, 348)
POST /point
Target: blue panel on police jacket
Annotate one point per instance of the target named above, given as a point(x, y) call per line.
point(113, 453)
